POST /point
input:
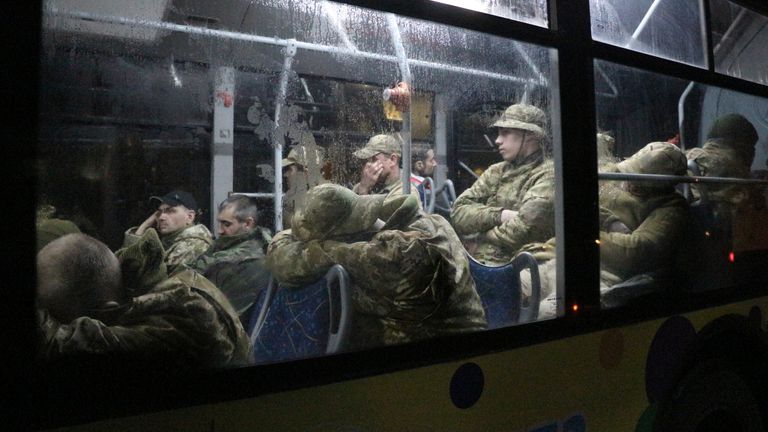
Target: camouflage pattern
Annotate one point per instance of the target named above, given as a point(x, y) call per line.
point(182, 320)
point(382, 143)
point(410, 280)
point(49, 230)
point(524, 117)
point(311, 158)
point(654, 214)
point(392, 188)
point(526, 186)
point(181, 247)
point(235, 264)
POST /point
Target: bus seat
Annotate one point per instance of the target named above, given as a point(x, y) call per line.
point(621, 293)
point(501, 294)
point(310, 321)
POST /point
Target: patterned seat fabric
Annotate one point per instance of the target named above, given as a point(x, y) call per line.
point(499, 290)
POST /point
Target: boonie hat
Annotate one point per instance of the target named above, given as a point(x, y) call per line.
point(177, 197)
point(300, 155)
point(335, 210)
point(525, 117)
point(656, 158)
point(383, 143)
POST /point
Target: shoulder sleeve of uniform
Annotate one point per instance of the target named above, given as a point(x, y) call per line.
point(470, 213)
point(130, 237)
point(295, 262)
point(185, 251)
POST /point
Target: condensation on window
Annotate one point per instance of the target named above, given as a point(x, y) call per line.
point(528, 11)
point(668, 29)
point(739, 41)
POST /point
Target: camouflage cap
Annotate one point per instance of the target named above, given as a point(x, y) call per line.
point(331, 209)
point(300, 155)
point(382, 143)
point(735, 128)
point(655, 158)
point(525, 117)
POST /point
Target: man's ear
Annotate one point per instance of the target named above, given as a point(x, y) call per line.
point(191, 216)
point(250, 222)
point(418, 166)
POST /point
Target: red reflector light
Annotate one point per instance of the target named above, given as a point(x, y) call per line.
point(731, 257)
point(575, 307)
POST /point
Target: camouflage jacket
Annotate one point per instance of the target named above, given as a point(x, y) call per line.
point(527, 187)
point(183, 321)
point(392, 188)
point(656, 224)
point(181, 247)
point(410, 282)
point(235, 264)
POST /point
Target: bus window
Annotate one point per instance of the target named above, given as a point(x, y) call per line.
point(672, 30)
point(156, 116)
point(528, 11)
point(738, 36)
point(696, 225)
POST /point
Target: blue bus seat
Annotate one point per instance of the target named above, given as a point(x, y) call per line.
point(500, 291)
point(309, 321)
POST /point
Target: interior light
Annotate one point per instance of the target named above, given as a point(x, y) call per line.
point(597, 241)
point(706, 233)
point(575, 307)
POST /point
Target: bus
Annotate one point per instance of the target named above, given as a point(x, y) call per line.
point(125, 101)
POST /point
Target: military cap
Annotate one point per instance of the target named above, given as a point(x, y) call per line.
point(331, 209)
point(734, 127)
point(383, 143)
point(177, 197)
point(51, 229)
point(655, 158)
point(299, 156)
point(525, 117)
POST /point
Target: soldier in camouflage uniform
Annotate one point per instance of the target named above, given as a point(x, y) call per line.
point(642, 224)
point(174, 220)
point(235, 261)
point(303, 170)
point(381, 172)
point(409, 272)
point(128, 309)
point(511, 204)
point(728, 152)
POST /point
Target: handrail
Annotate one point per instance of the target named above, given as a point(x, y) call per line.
point(337, 339)
point(269, 296)
point(679, 179)
point(526, 260)
point(429, 198)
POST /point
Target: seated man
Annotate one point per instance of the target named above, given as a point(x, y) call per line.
point(183, 240)
point(129, 309)
point(423, 163)
point(511, 204)
point(642, 223)
point(409, 272)
point(728, 152)
point(235, 261)
point(303, 169)
point(381, 172)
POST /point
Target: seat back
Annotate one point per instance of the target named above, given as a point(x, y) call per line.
point(309, 321)
point(501, 293)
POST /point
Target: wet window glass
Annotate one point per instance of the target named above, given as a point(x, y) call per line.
point(245, 163)
point(738, 40)
point(682, 170)
point(668, 29)
point(528, 11)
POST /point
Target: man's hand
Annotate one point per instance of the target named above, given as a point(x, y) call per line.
point(371, 173)
point(507, 215)
point(618, 227)
point(149, 223)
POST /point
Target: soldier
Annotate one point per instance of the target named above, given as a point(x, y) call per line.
point(511, 204)
point(381, 172)
point(302, 169)
point(409, 272)
point(235, 261)
point(127, 308)
point(642, 224)
point(728, 152)
point(174, 220)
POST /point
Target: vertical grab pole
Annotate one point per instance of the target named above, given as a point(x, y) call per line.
point(277, 138)
point(405, 71)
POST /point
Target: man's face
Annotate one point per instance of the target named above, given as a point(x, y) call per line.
point(429, 164)
point(290, 173)
point(230, 226)
point(515, 143)
point(388, 165)
point(174, 218)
